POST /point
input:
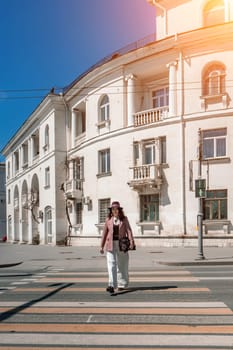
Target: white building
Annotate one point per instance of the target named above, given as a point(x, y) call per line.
point(128, 130)
point(2, 201)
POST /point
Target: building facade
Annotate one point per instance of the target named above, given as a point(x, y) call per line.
point(132, 129)
point(2, 201)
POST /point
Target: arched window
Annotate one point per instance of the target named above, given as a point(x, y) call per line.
point(104, 109)
point(214, 13)
point(46, 138)
point(213, 79)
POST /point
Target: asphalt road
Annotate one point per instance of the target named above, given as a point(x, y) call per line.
point(56, 299)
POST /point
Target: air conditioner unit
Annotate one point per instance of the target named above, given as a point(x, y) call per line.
point(87, 200)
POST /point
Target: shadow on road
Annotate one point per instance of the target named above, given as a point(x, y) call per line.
point(7, 314)
point(136, 289)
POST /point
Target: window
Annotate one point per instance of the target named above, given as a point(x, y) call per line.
point(79, 209)
point(36, 144)
point(9, 196)
point(80, 123)
point(48, 224)
point(149, 153)
point(214, 13)
point(9, 224)
point(160, 98)
point(104, 161)
point(163, 150)
point(214, 143)
point(104, 204)
point(46, 138)
point(213, 82)
point(215, 205)
point(104, 109)
point(25, 154)
point(149, 208)
point(16, 161)
point(47, 177)
point(8, 170)
point(78, 169)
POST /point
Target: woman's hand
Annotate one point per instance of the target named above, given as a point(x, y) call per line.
point(101, 251)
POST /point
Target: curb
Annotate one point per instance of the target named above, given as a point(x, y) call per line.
point(195, 263)
point(10, 264)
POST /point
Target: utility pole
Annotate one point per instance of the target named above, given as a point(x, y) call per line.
point(200, 193)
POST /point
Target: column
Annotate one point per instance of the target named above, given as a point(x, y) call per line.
point(130, 98)
point(73, 128)
point(172, 88)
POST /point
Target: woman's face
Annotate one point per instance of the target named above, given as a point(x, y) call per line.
point(115, 211)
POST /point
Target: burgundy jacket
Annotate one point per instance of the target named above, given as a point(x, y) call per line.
point(107, 235)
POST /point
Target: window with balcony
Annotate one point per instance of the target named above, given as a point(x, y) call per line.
point(104, 204)
point(160, 98)
point(149, 152)
point(214, 143)
point(149, 208)
point(215, 205)
point(104, 111)
point(214, 12)
point(213, 80)
point(104, 162)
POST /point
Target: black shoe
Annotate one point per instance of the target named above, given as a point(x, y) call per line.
point(110, 289)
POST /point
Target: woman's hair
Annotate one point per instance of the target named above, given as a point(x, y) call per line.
point(121, 214)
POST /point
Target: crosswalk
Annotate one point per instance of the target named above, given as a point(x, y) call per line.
point(162, 309)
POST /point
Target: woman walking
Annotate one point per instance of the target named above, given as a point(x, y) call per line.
point(116, 227)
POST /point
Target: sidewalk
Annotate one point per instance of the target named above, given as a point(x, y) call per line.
point(34, 256)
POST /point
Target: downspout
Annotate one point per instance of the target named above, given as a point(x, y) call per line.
point(183, 170)
point(155, 3)
point(66, 143)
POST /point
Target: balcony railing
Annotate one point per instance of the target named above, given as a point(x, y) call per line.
point(144, 175)
point(150, 116)
point(73, 188)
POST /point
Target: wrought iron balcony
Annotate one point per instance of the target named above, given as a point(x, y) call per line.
point(73, 188)
point(150, 116)
point(149, 176)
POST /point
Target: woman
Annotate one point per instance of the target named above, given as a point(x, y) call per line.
point(116, 226)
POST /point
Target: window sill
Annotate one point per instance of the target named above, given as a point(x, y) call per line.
point(219, 160)
point(105, 123)
point(104, 174)
point(210, 99)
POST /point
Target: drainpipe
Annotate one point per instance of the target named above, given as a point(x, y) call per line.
point(155, 3)
point(183, 172)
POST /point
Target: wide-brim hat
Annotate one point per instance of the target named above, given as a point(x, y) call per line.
point(115, 204)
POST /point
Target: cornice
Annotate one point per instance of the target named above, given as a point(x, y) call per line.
point(47, 105)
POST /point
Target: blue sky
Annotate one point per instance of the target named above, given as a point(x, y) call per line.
point(46, 43)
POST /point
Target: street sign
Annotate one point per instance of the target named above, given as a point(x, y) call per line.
point(200, 188)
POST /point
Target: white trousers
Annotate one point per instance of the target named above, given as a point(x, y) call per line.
point(118, 267)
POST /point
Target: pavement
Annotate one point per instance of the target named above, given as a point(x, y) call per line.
point(70, 257)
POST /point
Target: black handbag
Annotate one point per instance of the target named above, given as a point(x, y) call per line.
point(124, 244)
